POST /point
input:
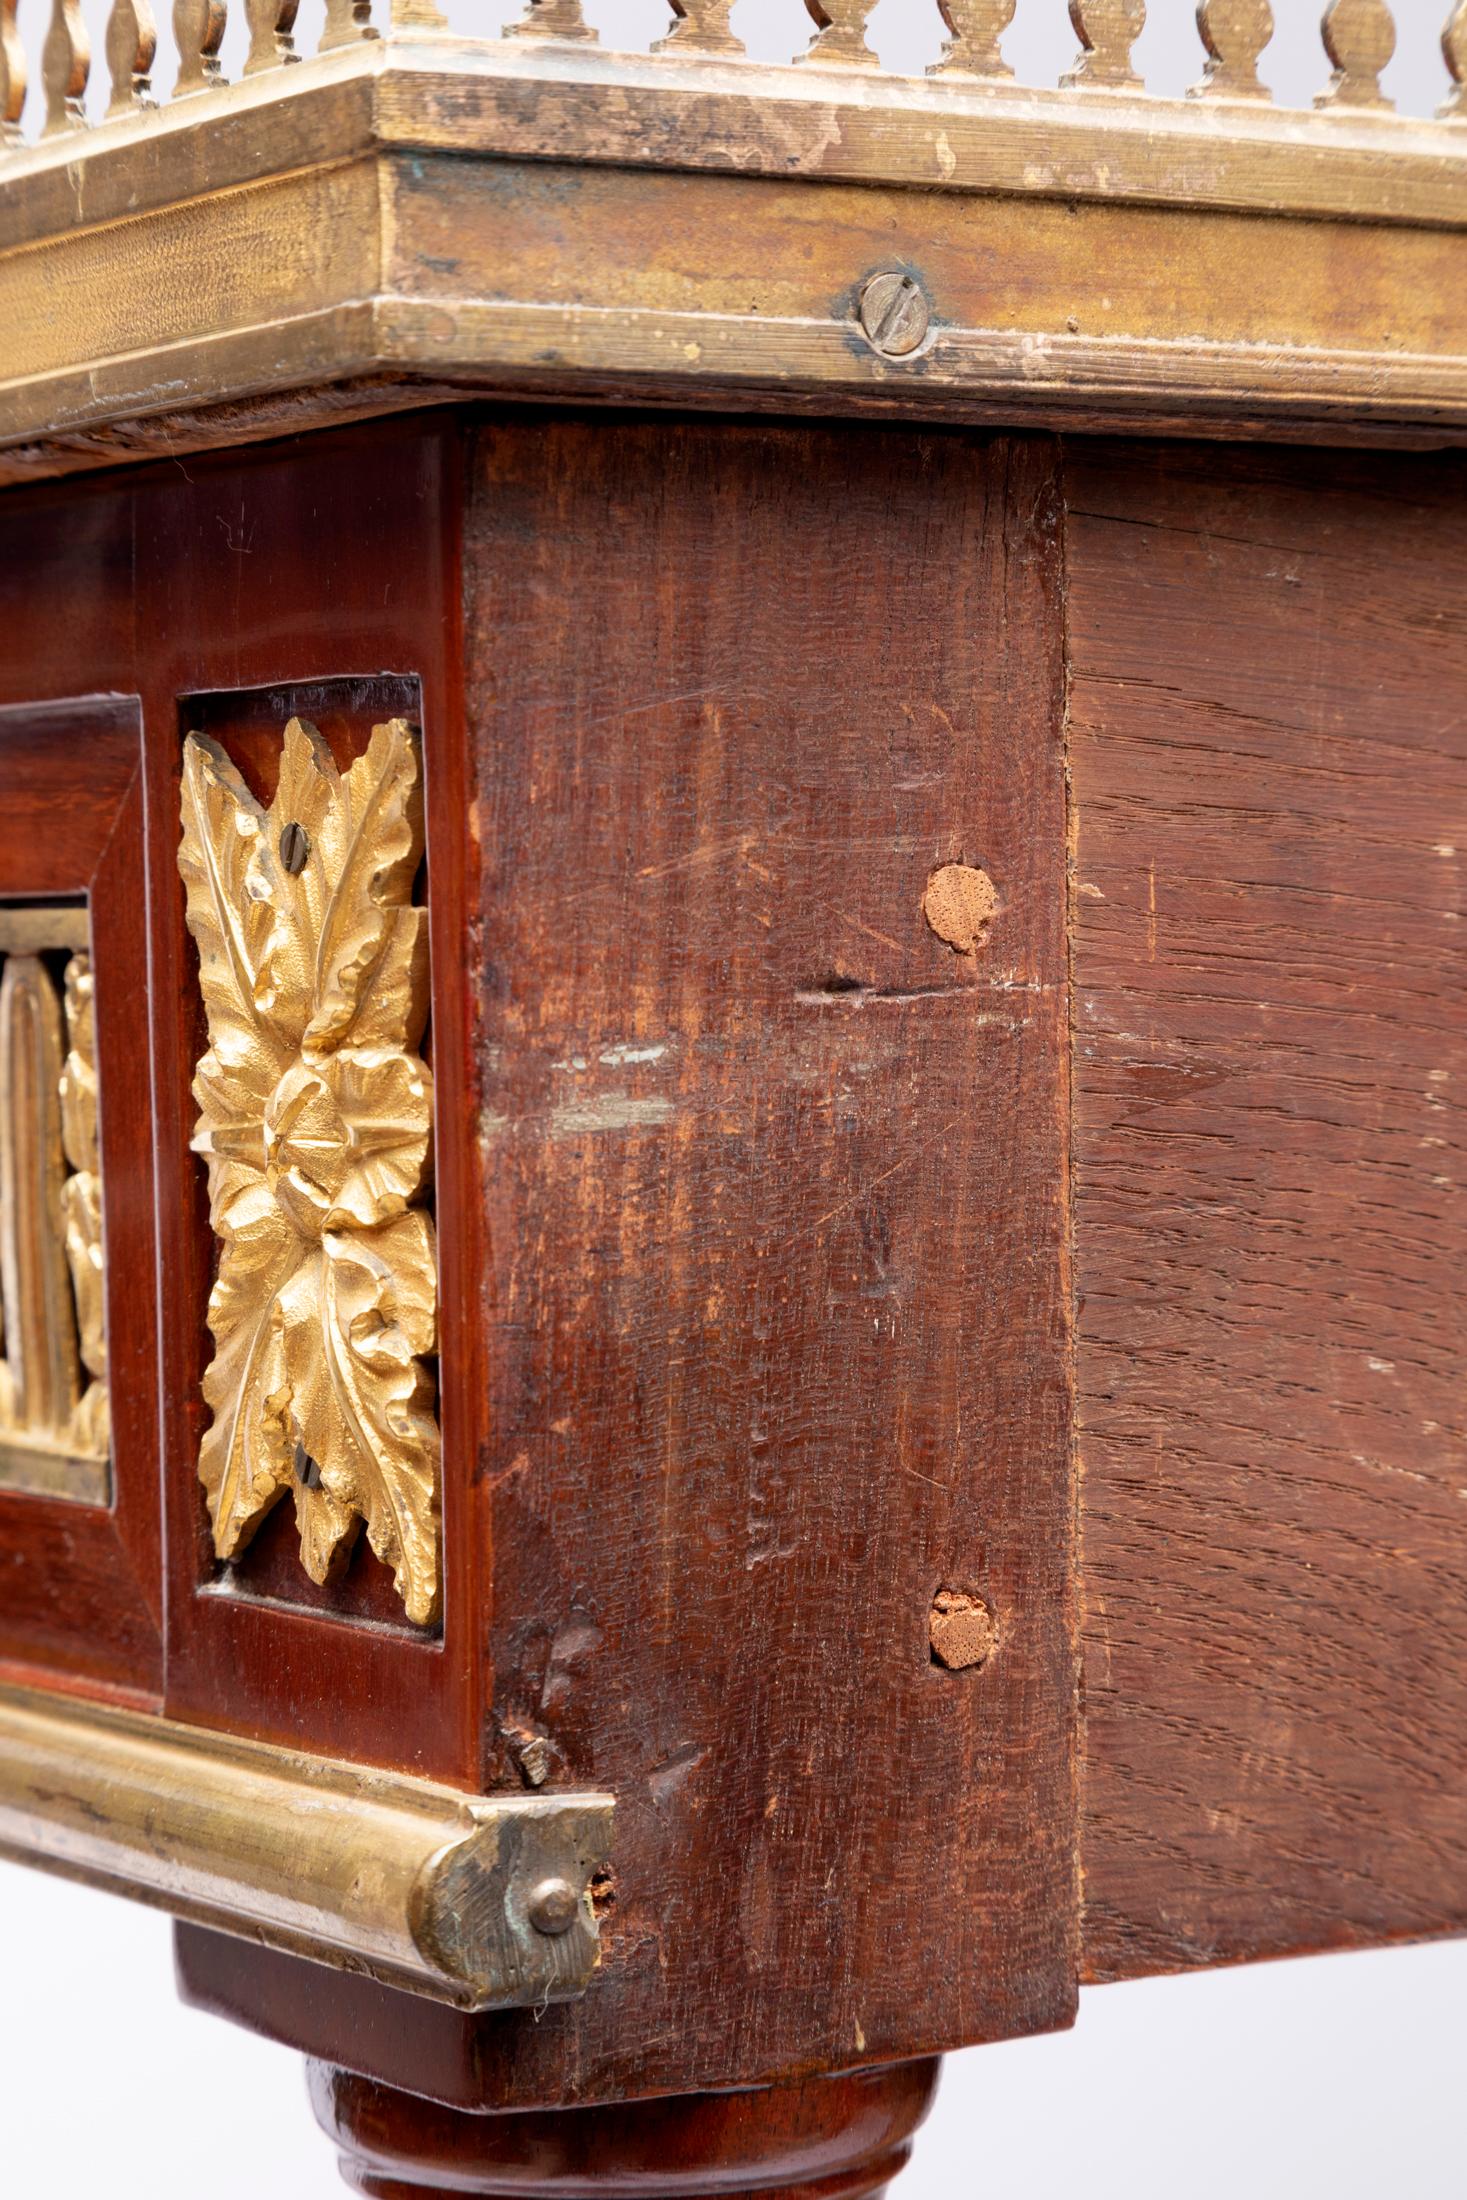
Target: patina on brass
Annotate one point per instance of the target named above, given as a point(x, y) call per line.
point(414, 217)
point(315, 1119)
point(54, 1416)
point(411, 1882)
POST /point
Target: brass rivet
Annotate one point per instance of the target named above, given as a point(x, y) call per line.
point(963, 1630)
point(295, 847)
point(895, 315)
point(552, 1907)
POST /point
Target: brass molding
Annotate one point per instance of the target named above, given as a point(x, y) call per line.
point(315, 1119)
point(404, 219)
point(481, 1902)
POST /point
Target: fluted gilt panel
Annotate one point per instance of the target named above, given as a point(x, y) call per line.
point(54, 1419)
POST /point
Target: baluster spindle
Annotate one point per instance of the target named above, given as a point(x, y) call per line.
point(702, 26)
point(198, 32)
point(418, 15)
point(551, 19)
point(976, 28)
point(272, 40)
point(840, 35)
point(1360, 38)
point(12, 75)
point(1235, 33)
point(66, 64)
point(1107, 30)
point(347, 21)
point(1454, 49)
point(132, 45)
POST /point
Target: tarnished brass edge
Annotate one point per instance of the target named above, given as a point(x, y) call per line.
point(621, 354)
point(29, 927)
point(35, 1470)
point(523, 101)
point(407, 1881)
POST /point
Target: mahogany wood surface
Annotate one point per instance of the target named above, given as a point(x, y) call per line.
point(840, 2138)
point(195, 587)
point(80, 1590)
point(1268, 658)
point(775, 1300)
point(754, 1200)
point(762, 1180)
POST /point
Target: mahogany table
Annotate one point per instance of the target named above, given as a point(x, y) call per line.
point(732, 817)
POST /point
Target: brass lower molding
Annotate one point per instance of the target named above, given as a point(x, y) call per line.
point(484, 1902)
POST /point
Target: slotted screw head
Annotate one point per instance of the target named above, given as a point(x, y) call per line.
point(295, 847)
point(895, 315)
point(552, 1907)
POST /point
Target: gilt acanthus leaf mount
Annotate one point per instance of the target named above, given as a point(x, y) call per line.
point(315, 1122)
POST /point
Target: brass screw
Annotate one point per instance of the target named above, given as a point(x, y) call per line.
point(295, 847)
point(552, 1907)
point(895, 314)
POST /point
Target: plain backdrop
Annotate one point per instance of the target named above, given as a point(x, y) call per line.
point(1343, 2077)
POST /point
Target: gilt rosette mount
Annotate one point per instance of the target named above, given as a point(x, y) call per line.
point(316, 1125)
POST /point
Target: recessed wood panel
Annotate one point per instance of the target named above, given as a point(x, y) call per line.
point(81, 1588)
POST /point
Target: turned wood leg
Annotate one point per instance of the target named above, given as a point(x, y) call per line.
point(840, 2138)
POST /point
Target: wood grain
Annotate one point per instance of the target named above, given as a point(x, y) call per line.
point(838, 2138)
point(1268, 656)
point(81, 1591)
point(775, 1182)
point(750, 1186)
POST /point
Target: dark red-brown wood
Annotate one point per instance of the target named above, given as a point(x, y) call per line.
point(839, 2138)
point(81, 1592)
point(775, 1300)
point(751, 1191)
point(293, 569)
point(1269, 756)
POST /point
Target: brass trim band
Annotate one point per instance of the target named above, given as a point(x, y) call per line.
point(482, 1902)
point(382, 229)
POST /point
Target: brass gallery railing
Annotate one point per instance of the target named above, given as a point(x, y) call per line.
point(409, 215)
point(1359, 38)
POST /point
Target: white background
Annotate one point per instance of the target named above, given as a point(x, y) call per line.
point(1343, 2077)
point(1339, 2079)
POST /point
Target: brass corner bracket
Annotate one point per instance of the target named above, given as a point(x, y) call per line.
point(484, 1902)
